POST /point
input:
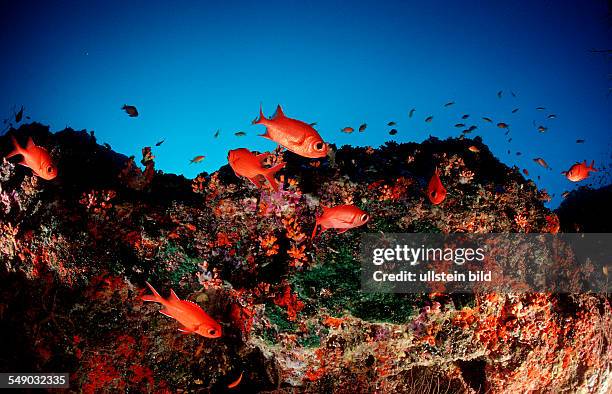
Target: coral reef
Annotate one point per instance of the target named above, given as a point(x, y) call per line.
point(75, 254)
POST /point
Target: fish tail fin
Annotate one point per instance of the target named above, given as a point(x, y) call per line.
point(17, 150)
point(591, 167)
point(261, 118)
point(155, 297)
point(269, 174)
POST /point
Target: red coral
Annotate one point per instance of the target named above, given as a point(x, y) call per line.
point(242, 318)
point(289, 301)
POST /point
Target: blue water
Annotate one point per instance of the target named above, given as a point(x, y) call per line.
point(193, 68)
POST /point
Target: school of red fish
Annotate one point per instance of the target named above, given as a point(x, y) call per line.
point(300, 138)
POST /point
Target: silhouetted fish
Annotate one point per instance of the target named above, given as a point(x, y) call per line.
point(217, 133)
point(347, 130)
point(240, 134)
point(500, 93)
point(392, 132)
point(391, 123)
point(515, 110)
point(411, 113)
point(540, 108)
point(580, 141)
point(487, 119)
point(160, 142)
point(19, 115)
point(363, 127)
point(429, 119)
point(449, 103)
point(460, 125)
point(465, 116)
point(130, 110)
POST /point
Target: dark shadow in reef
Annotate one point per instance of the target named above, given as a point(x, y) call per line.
point(587, 210)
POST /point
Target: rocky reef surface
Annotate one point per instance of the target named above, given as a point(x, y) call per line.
point(75, 254)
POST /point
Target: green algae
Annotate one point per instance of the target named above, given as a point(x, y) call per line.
point(338, 276)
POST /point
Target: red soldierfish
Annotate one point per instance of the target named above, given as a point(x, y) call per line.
point(245, 163)
point(36, 158)
point(435, 190)
point(189, 314)
point(341, 217)
point(295, 135)
point(579, 171)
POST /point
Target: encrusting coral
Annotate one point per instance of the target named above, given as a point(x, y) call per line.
point(76, 252)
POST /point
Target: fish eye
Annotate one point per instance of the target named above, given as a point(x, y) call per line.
point(319, 146)
point(212, 331)
point(364, 217)
point(50, 170)
point(433, 193)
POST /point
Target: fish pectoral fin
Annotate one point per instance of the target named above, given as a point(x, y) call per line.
point(165, 312)
point(255, 182)
point(185, 330)
point(298, 139)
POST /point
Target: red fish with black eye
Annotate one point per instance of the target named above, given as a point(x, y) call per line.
point(189, 314)
point(36, 158)
point(435, 190)
point(341, 217)
point(249, 165)
point(579, 171)
point(297, 136)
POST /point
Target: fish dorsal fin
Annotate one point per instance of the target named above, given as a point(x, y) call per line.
point(279, 113)
point(31, 144)
point(173, 296)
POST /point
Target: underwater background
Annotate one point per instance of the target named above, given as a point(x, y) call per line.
point(441, 118)
point(193, 68)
